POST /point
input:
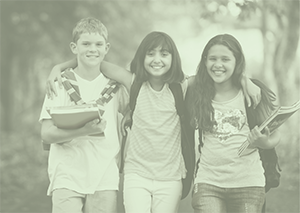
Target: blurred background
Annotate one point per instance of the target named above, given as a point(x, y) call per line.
point(35, 35)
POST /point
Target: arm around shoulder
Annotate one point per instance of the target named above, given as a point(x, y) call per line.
point(117, 73)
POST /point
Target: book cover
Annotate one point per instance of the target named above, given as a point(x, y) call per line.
point(74, 117)
point(275, 120)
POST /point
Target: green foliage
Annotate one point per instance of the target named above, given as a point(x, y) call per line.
point(35, 36)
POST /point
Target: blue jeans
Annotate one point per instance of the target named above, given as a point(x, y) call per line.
point(212, 199)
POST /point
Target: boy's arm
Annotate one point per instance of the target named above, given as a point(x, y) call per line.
point(251, 91)
point(51, 134)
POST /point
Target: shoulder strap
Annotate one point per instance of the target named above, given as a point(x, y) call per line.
point(134, 92)
point(176, 90)
point(70, 84)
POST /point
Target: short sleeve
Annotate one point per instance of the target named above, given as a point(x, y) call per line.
point(123, 98)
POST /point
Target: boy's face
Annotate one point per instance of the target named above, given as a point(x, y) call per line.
point(90, 49)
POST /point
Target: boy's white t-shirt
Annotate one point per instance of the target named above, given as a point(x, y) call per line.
point(87, 164)
point(219, 163)
point(154, 141)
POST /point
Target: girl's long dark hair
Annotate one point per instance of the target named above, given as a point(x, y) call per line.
point(150, 42)
point(203, 90)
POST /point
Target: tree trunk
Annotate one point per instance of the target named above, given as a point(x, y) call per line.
point(285, 53)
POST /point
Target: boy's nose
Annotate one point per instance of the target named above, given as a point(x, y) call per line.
point(92, 48)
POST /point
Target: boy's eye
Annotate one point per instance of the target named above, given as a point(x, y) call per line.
point(99, 44)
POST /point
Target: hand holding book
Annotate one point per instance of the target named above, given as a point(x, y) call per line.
point(275, 120)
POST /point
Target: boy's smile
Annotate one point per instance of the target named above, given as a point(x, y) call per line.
point(90, 48)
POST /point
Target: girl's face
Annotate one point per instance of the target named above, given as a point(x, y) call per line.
point(220, 63)
point(157, 62)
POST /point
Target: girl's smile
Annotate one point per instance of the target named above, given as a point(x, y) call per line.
point(158, 62)
point(220, 63)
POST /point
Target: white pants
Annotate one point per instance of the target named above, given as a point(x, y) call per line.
point(142, 195)
point(67, 201)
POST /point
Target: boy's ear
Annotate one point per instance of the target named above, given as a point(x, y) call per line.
point(73, 47)
point(107, 47)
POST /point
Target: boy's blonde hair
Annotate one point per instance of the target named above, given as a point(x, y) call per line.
point(89, 25)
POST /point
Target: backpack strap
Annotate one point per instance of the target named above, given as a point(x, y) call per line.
point(134, 92)
point(70, 84)
point(187, 133)
point(187, 137)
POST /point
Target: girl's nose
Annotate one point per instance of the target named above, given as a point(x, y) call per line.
point(218, 64)
point(156, 58)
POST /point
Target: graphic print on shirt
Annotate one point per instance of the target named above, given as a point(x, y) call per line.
point(229, 123)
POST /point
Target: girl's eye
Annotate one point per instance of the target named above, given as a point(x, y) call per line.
point(165, 53)
point(225, 59)
point(150, 53)
point(211, 59)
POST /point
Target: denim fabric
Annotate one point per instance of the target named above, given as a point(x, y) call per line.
point(212, 199)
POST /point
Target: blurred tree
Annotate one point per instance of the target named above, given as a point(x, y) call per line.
point(278, 21)
point(35, 32)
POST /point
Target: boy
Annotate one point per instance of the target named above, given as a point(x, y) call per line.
point(83, 171)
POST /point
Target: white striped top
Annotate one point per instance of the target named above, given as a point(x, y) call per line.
point(154, 145)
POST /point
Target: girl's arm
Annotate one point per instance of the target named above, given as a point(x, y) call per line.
point(110, 70)
point(251, 91)
point(263, 141)
point(51, 134)
point(117, 73)
point(55, 75)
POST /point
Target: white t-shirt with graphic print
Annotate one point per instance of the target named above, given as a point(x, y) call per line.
point(219, 163)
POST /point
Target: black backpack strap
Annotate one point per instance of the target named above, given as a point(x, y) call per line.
point(134, 92)
point(187, 138)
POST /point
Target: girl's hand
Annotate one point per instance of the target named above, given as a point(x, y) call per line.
point(95, 126)
point(251, 91)
point(55, 74)
point(257, 139)
point(126, 122)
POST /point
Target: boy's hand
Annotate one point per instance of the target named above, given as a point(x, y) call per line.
point(251, 91)
point(55, 74)
point(257, 139)
point(95, 126)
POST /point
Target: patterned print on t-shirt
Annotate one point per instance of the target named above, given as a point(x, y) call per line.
point(228, 123)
